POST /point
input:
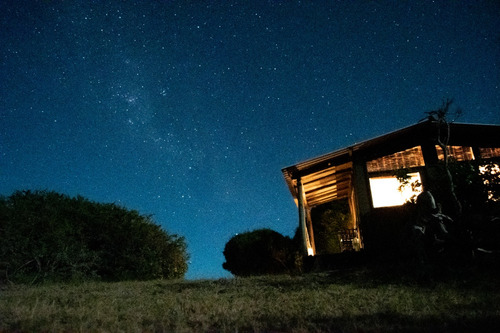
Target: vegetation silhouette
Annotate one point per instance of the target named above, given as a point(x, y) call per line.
point(47, 236)
point(260, 252)
point(441, 117)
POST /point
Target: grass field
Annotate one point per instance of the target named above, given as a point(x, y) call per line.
point(361, 300)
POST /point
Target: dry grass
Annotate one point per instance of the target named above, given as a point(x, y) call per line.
point(336, 302)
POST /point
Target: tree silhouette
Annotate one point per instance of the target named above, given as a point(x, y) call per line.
point(441, 118)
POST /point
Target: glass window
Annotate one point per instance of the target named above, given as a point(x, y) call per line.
point(489, 152)
point(387, 190)
point(491, 177)
point(404, 159)
point(458, 153)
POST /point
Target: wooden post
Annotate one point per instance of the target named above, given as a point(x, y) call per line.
point(310, 233)
point(302, 216)
point(429, 153)
point(361, 186)
point(477, 153)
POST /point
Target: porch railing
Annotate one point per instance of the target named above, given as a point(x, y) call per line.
point(349, 240)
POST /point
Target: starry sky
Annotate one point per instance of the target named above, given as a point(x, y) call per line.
point(188, 110)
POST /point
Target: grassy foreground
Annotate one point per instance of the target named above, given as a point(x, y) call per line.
point(349, 301)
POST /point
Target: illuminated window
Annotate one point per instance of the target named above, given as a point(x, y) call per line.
point(408, 158)
point(493, 170)
point(489, 152)
point(458, 153)
point(387, 191)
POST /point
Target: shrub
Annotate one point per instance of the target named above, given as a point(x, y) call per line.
point(259, 252)
point(50, 236)
point(384, 229)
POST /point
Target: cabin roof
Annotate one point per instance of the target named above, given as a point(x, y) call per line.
point(328, 177)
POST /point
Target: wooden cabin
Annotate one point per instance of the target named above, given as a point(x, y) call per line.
point(362, 177)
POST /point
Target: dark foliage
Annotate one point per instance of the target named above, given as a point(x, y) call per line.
point(477, 184)
point(390, 232)
point(328, 220)
point(385, 229)
point(260, 252)
point(50, 236)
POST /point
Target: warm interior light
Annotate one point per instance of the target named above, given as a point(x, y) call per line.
point(310, 251)
point(386, 191)
point(494, 170)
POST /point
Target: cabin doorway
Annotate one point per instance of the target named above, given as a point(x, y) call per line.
point(333, 227)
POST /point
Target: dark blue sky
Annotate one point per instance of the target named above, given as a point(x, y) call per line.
point(188, 110)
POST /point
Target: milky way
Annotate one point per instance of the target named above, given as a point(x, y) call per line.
point(189, 110)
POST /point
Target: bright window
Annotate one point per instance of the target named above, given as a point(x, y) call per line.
point(404, 159)
point(489, 152)
point(458, 153)
point(494, 170)
point(387, 191)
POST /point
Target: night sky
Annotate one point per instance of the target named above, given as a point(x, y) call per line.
point(188, 110)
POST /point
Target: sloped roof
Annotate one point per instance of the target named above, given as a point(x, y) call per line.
point(328, 177)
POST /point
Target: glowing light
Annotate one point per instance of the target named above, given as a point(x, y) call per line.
point(493, 170)
point(386, 191)
point(310, 251)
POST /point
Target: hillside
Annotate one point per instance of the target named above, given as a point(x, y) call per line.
point(362, 300)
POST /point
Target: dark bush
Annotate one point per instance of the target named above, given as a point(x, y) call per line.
point(383, 229)
point(259, 252)
point(50, 236)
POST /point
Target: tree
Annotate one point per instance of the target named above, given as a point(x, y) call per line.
point(259, 252)
point(50, 236)
point(440, 117)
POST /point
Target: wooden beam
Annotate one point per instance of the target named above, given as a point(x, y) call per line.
point(302, 216)
point(329, 197)
point(325, 200)
point(361, 186)
point(328, 190)
point(334, 170)
point(313, 187)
